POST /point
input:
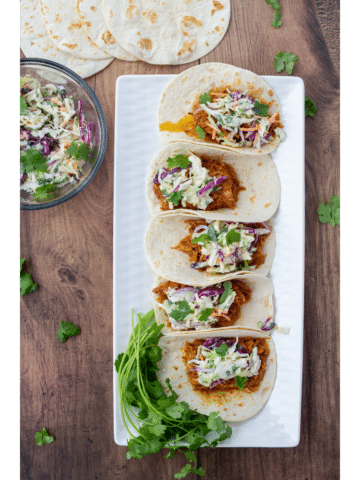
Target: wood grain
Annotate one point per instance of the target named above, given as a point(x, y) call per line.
point(67, 388)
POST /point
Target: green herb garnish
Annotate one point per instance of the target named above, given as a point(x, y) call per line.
point(27, 284)
point(161, 422)
point(174, 198)
point(181, 312)
point(227, 291)
point(330, 212)
point(45, 192)
point(200, 132)
point(205, 314)
point(205, 98)
point(79, 151)
point(23, 106)
point(43, 437)
point(222, 350)
point(277, 13)
point(240, 382)
point(285, 60)
point(67, 330)
point(178, 161)
point(211, 233)
point(310, 107)
point(201, 238)
point(33, 161)
point(246, 265)
point(232, 236)
point(260, 109)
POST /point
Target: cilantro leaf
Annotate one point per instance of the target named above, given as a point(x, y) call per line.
point(216, 423)
point(177, 410)
point(182, 311)
point(79, 151)
point(240, 382)
point(175, 198)
point(201, 238)
point(205, 98)
point(23, 106)
point(246, 265)
point(232, 236)
point(179, 160)
point(200, 132)
point(45, 191)
point(222, 350)
point(330, 212)
point(205, 314)
point(261, 109)
point(67, 330)
point(277, 13)
point(27, 284)
point(33, 161)
point(43, 437)
point(227, 291)
point(310, 107)
point(285, 60)
point(117, 362)
point(211, 233)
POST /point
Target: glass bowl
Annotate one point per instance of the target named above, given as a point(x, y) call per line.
point(47, 71)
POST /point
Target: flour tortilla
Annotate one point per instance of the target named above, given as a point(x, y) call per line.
point(90, 13)
point(36, 42)
point(169, 32)
point(257, 203)
point(233, 406)
point(165, 232)
point(259, 308)
point(179, 96)
point(64, 26)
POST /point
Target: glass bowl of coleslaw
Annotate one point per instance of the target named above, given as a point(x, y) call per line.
point(63, 134)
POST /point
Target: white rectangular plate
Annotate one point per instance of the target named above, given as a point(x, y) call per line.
point(136, 142)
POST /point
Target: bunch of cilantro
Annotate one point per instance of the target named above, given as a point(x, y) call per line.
point(158, 420)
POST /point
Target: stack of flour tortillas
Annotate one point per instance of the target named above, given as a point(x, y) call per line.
point(86, 35)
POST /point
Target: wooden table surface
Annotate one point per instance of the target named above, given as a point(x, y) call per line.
point(67, 388)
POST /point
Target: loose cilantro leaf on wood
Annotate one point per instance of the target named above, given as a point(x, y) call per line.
point(43, 437)
point(67, 330)
point(175, 198)
point(232, 236)
point(310, 107)
point(261, 109)
point(277, 13)
point(23, 106)
point(330, 212)
point(222, 350)
point(161, 422)
point(79, 151)
point(205, 97)
point(178, 161)
point(200, 132)
point(240, 382)
point(227, 291)
point(182, 311)
point(33, 161)
point(285, 60)
point(205, 314)
point(45, 191)
point(27, 284)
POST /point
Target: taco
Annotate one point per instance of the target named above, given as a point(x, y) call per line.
point(246, 302)
point(221, 105)
point(189, 178)
point(229, 370)
point(195, 251)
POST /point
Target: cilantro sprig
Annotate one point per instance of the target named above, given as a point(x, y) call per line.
point(33, 161)
point(260, 109)
point(277, 22)
point(200, 132)
point(67, 330)
point(330, 212)
point(175, 198)
point(285, 60)
point(43, 437)
point(27, 284)
point(161, 422)
point(232, 236)
point(222, 350)
point(205, 314)
point(205, 98)
point(179, 160)
point(310, 107)
point(45, 192)
point(240, 382)
point(79, 151)
point(181, 312)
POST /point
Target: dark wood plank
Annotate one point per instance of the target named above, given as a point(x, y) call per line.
point(67, 388)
